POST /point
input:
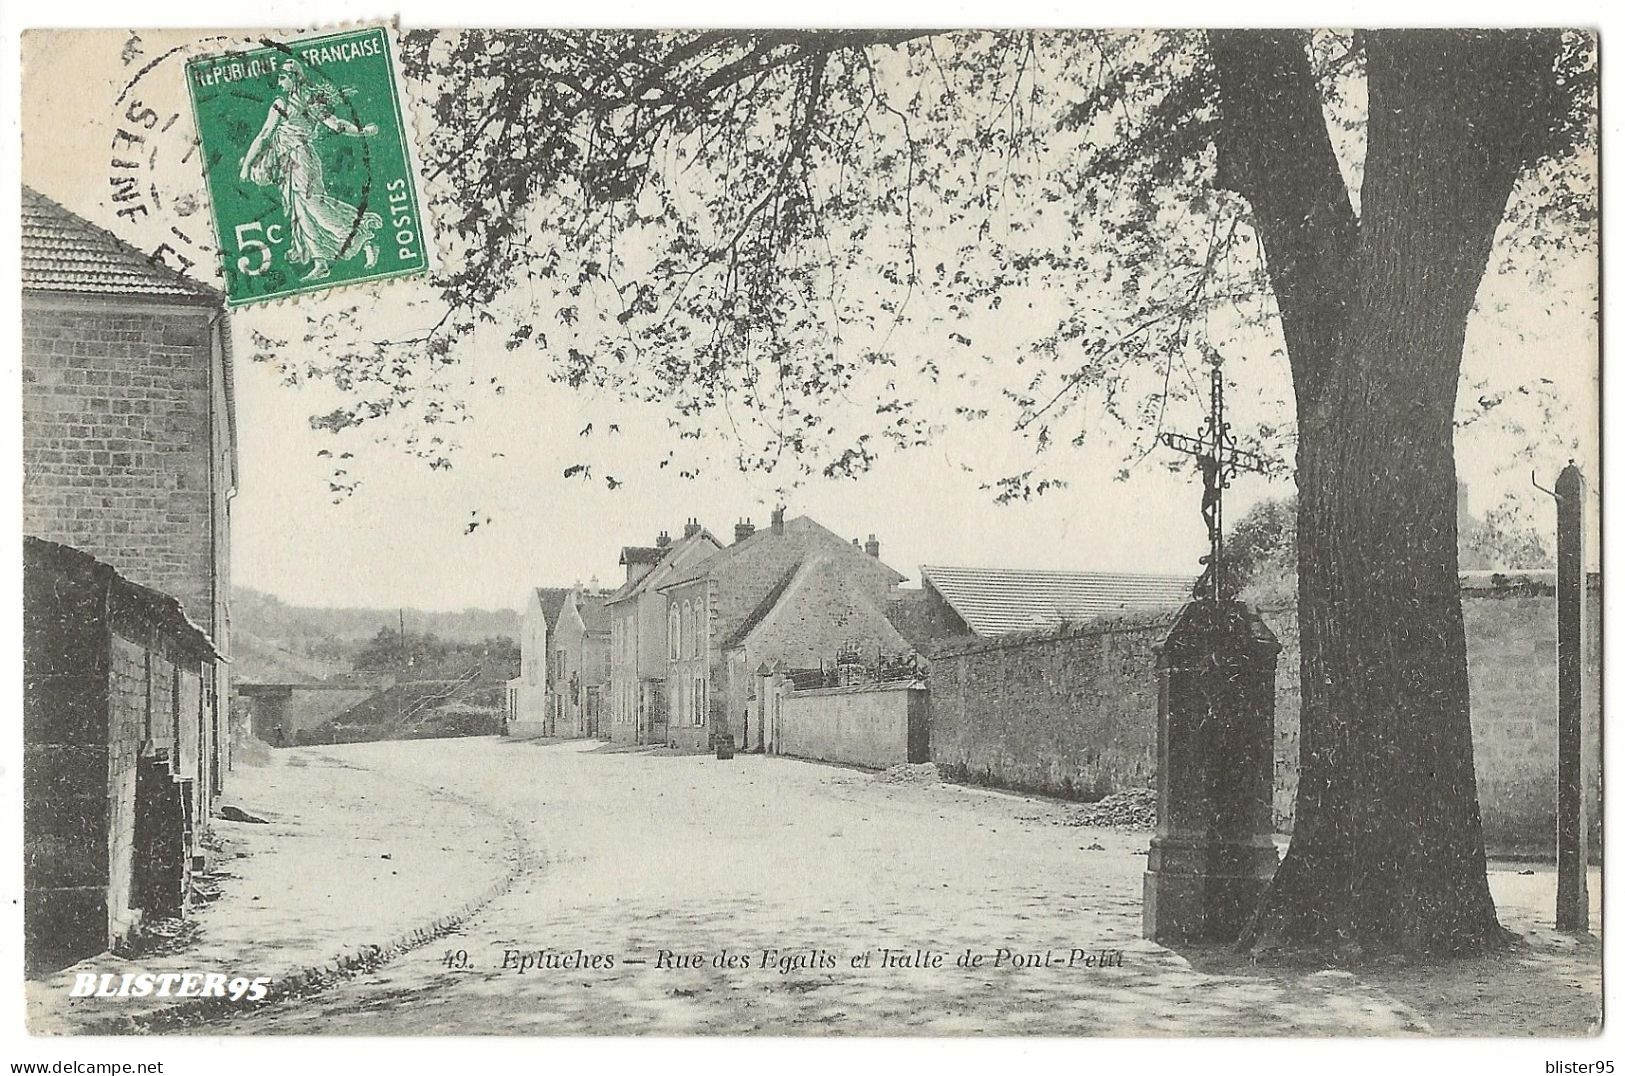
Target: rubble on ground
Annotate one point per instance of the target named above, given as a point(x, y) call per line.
point(912, 773)
point(1133, 809)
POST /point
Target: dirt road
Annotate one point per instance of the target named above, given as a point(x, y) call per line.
point(687, 895)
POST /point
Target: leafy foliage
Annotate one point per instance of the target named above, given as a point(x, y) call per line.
point(826, 244)
point(1261, 550)
point(426, 656)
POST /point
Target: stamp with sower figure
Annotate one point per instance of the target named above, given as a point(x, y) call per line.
point(309, 165)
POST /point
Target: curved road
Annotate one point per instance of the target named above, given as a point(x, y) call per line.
point(704, 871)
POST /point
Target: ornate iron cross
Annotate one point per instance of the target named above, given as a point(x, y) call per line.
point(1220, 460)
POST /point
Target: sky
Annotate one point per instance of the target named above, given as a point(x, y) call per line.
point(403, 537)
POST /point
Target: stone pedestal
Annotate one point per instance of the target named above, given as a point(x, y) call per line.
point(1213, 854)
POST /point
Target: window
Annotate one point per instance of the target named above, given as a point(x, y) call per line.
point(699, 700)
point(698, 613)
point(674, 634)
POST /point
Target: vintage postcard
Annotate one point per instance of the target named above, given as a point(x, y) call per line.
point(840, 532)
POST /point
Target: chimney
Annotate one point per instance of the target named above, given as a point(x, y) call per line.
point(778, 520)
point(742, 530)
point(872, 547)
point(691, 528)
point(663, 541)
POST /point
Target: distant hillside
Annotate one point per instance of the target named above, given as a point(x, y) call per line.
point(416, 710)
point(257, 661)
point(272, 620)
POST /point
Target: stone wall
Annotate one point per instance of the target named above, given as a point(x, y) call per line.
point(117, 447)
point(298, 709)
point(109, 694)
point(66, 769)
point(128, 693)
point(876, 725)
point(1072, 711)
point(1069, 711)
point(1512, 680)
point(127, 454)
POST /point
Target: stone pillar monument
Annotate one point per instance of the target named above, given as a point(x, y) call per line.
point(1213, 854)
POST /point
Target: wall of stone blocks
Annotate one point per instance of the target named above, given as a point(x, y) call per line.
point(1512, 680)
point(117, 445)
point(1073, 712)
point(872, 725)
point(65, 770)
point(1068, 712)
point(127, 716)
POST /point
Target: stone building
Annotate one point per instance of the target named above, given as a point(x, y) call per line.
point(708, 604)
point(818, 611)
point(129, 433)
point(637, 614)
point(529, 702)
point(115, 740)
point(579, 673)
point(128, 445)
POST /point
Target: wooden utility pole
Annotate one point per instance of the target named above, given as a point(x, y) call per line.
point(1573, 902)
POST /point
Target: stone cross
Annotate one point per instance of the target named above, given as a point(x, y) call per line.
point(1220, 460)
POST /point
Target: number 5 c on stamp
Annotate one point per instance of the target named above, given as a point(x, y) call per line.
point(309, 165)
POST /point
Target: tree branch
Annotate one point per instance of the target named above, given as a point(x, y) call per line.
point(1274, 150)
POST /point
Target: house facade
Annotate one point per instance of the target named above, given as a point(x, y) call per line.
point(639, 705)
point(129, 461)
point(708, 604)
point(822, 609)
point(578, 675)
point(529, 701)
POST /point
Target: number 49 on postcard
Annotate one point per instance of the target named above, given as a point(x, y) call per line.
point(309, 167)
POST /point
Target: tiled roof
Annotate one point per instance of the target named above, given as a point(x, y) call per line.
point(994, 601)
point(833, 610)
point(638, 554)
point(64, 252)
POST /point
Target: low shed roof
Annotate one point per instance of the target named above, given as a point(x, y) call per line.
point(994, 601)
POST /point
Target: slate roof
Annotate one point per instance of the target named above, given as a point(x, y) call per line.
point(643, 582)
point(552, 600)
point(799, 531)
point(642, 554)
point(995, 601)
point(594, 616)
point(64, 252)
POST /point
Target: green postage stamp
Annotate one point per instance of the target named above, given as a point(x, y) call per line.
point(309, 165)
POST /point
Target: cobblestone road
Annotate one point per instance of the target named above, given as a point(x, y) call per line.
point(637, 854)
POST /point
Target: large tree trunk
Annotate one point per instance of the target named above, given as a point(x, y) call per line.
point(1387, 850)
